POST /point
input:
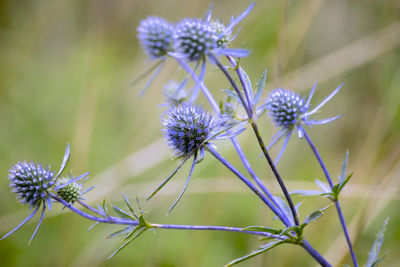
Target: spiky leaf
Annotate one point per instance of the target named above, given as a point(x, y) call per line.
point(260, 87)
point(263, 249)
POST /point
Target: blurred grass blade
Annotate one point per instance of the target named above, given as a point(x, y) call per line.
point(373, 256)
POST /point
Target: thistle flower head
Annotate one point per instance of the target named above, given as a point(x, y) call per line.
point(285, 107)
point(71, 192)
point(155, 35)
point(30, 182)
point(188, 128)
point(194, 38)
point(289, 110)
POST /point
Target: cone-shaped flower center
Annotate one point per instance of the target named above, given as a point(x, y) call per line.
point(285, 107)
point(187, 128)
point(155, 35)
point(30, 182)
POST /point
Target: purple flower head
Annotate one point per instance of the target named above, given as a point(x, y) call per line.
point(155, 35)
point(289, 110)
point(31, 183)
point(194, 38)
point(285, 107)
point(188, 129)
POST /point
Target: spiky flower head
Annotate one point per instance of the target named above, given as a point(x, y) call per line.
point(289, 110)
point(285, 107)
point(188, 128)
point(193, 38)
point(30, 182)
point(155, 35)
point(71, 192)
point(225, 37)
point(175, 93)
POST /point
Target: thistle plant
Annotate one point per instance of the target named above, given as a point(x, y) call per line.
point(192, 132)
point(155, 35)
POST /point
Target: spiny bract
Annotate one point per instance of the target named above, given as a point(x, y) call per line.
point(30, 182)
point(155, 35)
point(193, 38)
point(187, 129)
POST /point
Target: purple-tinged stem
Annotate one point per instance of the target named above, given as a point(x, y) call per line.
point(304, 242)
point(254, 175)
point(238, 69)
point(337, 203)
point(213, 228)
point(114, 220)
point(83, 204)
point(321, 260)
point(260, 140)
point(236, 144)
point(108, 220)
point(248, 183)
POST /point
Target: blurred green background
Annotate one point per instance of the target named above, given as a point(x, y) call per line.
point(65, 69)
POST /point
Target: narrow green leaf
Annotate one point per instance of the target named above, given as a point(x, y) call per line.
point(260, 87)
point(264, 248)
point(316, 215)
point(345, 182)
point(262, 229)
point(335, 192)
point(373, 259)
point(313, 216)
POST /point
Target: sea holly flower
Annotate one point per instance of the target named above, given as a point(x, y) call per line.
point(33, 184)
point(155, 35)
point(288, 110)
point(30, 182)
point(189, 129)
point(195, 39)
